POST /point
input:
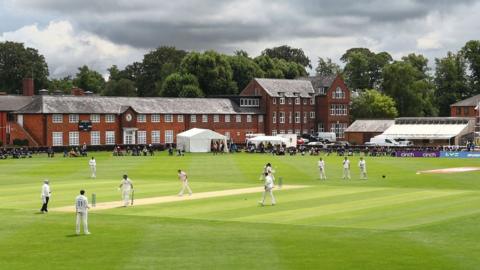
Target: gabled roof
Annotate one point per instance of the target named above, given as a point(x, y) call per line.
point(471, 101)
point(321, 81)
point(370, 125)
point(10, 103)
point(117, 105)
point(287, 88)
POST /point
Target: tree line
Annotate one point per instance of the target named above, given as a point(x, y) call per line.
point(383, 87)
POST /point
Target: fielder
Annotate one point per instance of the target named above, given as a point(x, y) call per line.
point(321, 168)
point(268, 188)
point(126, 186)
point(363, 168)
point(346, 168)
point(45, 195)
point(93, 167)
point(81, 207)
point(182, 176)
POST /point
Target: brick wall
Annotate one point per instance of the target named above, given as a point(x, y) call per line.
point(324, 103)
point(3, 127)
point(466, 111)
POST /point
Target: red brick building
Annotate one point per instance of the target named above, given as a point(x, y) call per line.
point(466, 107)
point(267, 106)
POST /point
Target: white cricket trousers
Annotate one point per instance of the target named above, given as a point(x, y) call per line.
point(363, 173)
point(82, 217)
point(93, 169)
point(125, 197)
point(185, 186)
point(269, 190)
point(346, 173)
point(322, 174)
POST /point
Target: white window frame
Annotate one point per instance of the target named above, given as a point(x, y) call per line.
point(141, 118)
point(282, 131)
point(109, 137)
point(180, 118)
point(312, 115)
point(274, 117)
point(227, 118)
point(73, 138)
point(168, 136)
point(94, 137)
point(193, 118)
point(57, 138)
point(109, 118)
point(155, 118)
point(238, 118)
point(57, 118)
point(95, 118)
point(155, 136)
point(216, 118)
point(312, 101)
point(274, 132)
point(297, 101)
point(141, 137)
point(338, 93)
point(73, 118)
point(305, 117)
point(168, 118)
point(297, 118)
point(282, 100)
point(260, 118)
point(289, 101)
point(274, 100)
point(249, 118)
point(297, 132)
point(281, 118)
point(204, 118)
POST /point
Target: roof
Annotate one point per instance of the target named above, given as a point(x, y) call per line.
point(319, 81)
point(370, 125)
point(471, 101)
point(201, 133)
point(289, 88)
point(425, 131)
point(117, 105)
point(13, 103)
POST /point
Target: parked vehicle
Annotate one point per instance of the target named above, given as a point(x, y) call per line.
point(382, 140)
point(326, 136)
point(310, 137)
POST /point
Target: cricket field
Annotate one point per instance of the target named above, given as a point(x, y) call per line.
point(403, 221)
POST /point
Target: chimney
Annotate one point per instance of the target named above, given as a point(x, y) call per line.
point(28, 89)
point(43, 92)
point(77, 91)
point(88, 93)
point(57, 93)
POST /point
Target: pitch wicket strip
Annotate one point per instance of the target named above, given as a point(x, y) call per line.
point(176, 198)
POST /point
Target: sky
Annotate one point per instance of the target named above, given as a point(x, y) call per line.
point(103, 33)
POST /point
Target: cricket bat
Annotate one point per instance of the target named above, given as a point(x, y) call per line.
point(133, 193)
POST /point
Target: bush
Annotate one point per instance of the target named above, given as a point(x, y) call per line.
point(20, 142)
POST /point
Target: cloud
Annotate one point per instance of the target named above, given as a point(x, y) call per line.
point(321, 27)
point(66, 49)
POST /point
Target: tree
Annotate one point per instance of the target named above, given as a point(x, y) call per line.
point(419, 62)
point(64, 84)
point(89, 80)
point(288, 54)
point(279, 68)
point(155, 67)
point(120, 88)
point(18, 62)
point(451, 81)
point(244, 69)
point(327, 67)
point(363, 68)
point(471, 53)
point(180, 85)
point(412, 92)
point(213, 71)
point(373, 104)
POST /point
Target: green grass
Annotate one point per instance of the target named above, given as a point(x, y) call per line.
point(405, 221)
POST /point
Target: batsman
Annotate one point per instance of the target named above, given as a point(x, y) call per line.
point(126, 187)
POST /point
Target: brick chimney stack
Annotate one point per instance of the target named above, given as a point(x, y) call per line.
point(28, 88)
point(77, 91)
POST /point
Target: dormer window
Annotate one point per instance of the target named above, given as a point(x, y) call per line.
point(339, 93)
point(249, 102)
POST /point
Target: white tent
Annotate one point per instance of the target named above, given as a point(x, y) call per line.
point(268, 139)
point(199, 140)
point(425, 131)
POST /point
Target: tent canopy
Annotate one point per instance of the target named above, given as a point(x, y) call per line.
point(425, 131)
point(268, 139)
point(199, 140)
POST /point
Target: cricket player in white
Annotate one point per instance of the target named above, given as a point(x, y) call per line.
point(363, 168)
point(45, 195)
point(346, 168)
point(81, 206)
point(126, 186)
point(93, 167)
point(268, 188)
point(321, 168)
point(182, 176)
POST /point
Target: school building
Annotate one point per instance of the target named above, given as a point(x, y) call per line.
point(270, 106)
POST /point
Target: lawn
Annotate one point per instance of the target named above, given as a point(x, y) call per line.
point(402, 221)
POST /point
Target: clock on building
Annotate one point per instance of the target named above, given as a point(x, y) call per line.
point(128, 117)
